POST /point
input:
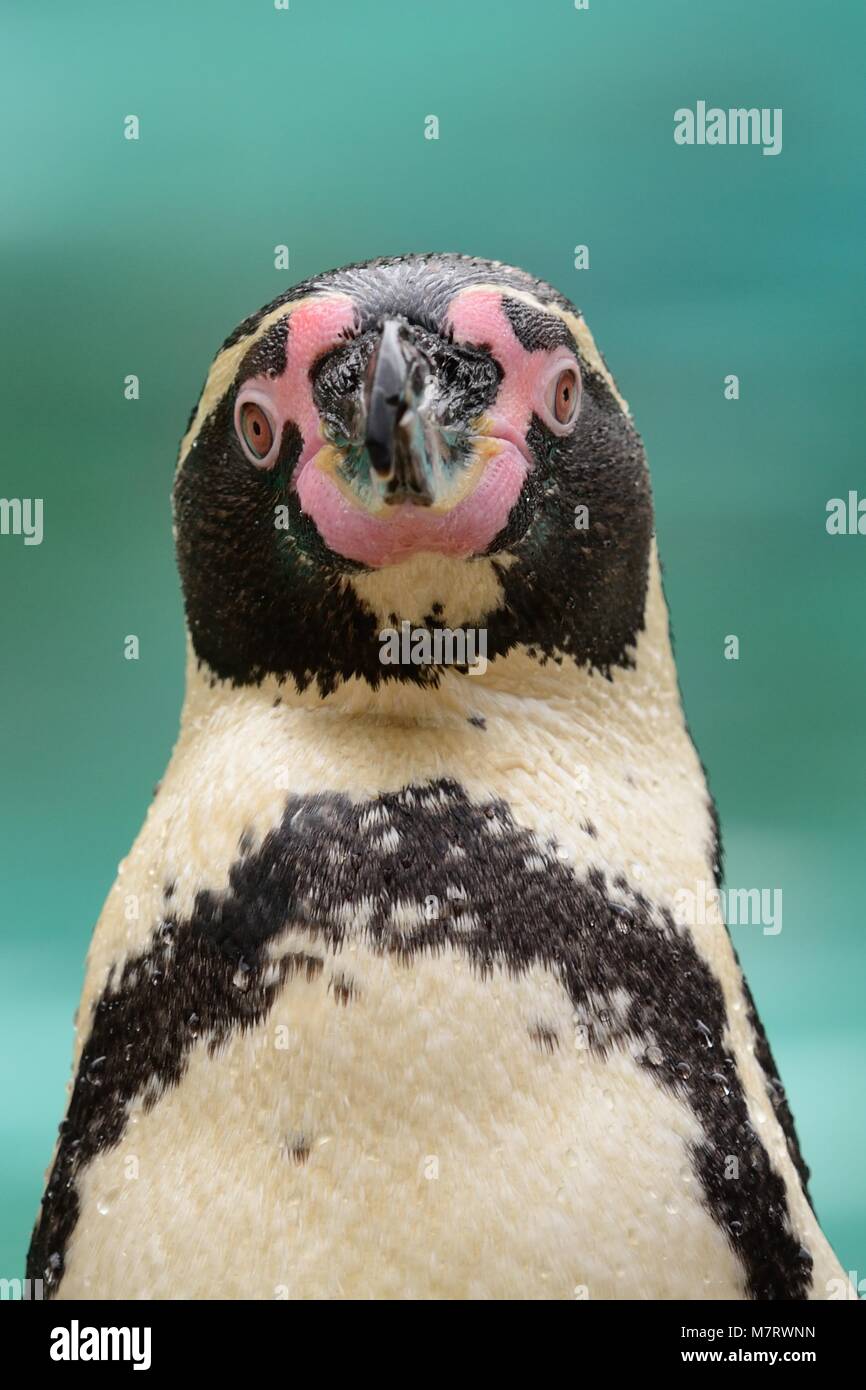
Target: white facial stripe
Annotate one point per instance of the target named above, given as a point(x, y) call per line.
point(575, 323)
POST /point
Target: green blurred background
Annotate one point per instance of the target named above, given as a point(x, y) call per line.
point(305, 127)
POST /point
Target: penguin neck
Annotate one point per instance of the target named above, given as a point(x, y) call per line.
point(516, 687)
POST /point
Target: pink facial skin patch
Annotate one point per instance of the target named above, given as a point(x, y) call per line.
point(395, 533)
point(465, 522)
point(314, 327)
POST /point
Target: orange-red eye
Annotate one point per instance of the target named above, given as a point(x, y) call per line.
point(256, 429)
point(565, 396)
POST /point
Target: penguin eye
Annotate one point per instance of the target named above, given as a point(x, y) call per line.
point(255, 430)
point(558, 398)
point(565, 396)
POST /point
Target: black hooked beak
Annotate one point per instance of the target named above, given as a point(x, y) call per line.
point(397, 380)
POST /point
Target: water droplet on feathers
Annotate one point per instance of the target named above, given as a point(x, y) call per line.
point(705, 1033)
point(94, 1071)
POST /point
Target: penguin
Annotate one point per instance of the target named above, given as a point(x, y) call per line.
point(393, 996)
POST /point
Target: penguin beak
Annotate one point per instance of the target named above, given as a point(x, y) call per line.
point(398, 389)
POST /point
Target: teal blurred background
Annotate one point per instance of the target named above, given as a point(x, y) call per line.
point(305, 127)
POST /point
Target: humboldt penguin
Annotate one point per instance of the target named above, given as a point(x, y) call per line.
point(394, 995)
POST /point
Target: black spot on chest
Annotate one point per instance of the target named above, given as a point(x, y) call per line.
point(483, 886)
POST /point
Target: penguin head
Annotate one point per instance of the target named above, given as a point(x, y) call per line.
point(391, 427)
